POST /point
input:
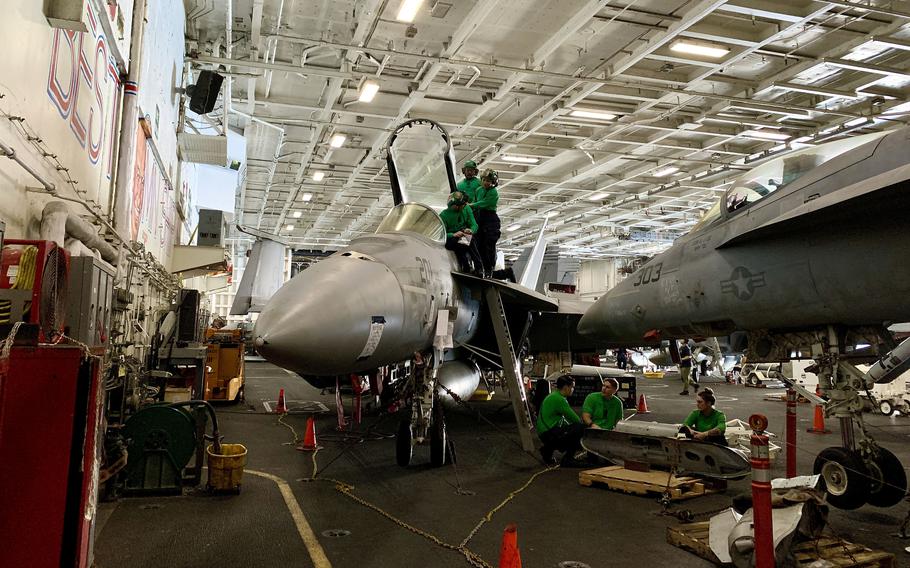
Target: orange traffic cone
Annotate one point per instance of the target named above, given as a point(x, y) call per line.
point(309, 439)
point(508, 554)
point(643, 404)
point(818, 424)
point(281, 408)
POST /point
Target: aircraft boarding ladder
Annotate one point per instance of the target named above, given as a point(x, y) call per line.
point(511, 368)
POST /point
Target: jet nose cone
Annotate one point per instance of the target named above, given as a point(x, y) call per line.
point(594, 321)
point(330, 317)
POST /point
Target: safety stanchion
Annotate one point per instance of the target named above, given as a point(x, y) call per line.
point(761, 493)
point(791, 433)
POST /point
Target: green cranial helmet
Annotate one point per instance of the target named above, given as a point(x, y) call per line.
point(470, 164)
point(490, 175)
point(457, 198)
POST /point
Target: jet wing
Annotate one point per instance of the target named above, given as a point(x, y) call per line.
point(845, 197)
point(512, 293)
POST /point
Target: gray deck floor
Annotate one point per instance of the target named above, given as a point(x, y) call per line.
point(558, 520)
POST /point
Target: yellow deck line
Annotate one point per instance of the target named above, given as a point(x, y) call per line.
point(317, 554)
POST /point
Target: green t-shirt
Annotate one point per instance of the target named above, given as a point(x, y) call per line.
point(555, 411)
point(458, 220)
point(469, 187)
point(701, 423)
point(605, 412)
point(486, 198)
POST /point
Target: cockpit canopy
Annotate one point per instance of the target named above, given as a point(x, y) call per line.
point(767, 178)
point(414, 218)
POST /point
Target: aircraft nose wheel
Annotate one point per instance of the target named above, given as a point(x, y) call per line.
point(845, 476)
point(889, 480)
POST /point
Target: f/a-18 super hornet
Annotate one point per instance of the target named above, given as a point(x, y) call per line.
point(396, 301)
point(804, 257)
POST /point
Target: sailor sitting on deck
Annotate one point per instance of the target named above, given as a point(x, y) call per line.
point(603, 409)
point(705, 423)
point(558, 426)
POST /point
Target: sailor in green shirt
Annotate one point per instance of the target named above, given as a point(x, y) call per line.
point(484, 204)
point(460, 230)
point(470, 183)
point(558, 426)
point(706, 423)
point(603, 409)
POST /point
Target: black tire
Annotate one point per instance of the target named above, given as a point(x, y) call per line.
point(888, 469)
point(845, 477)
point(753, 380)
point(404, 447)
point(438, 440)
point(885, 407)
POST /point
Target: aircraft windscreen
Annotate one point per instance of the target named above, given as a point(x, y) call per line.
point(413, 218)
point(766, 178)
point(419, 151)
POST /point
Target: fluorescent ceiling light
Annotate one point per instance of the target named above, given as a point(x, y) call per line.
point(297, 214)
point(814, 90)
point(512, 228)
point(597, 196)
point(765, 135)
point(698, 48)
point(317, 176)
point(772, 110)
point(408, 10)
point(520, 159)
point(289, 228)
point(866, 67)
point(551, 214)
point(307, 196)
point(595, 114)
point(368, 90)
point(337, 141)
point(664, 172)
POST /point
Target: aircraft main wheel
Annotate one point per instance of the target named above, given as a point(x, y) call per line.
point(845, 476)
point(404, 443)
point(890, 480)
point(438, 442)
point(886, 408)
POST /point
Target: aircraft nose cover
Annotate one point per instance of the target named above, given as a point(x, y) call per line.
point(325, 321)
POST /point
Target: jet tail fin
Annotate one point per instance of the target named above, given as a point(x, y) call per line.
point(261, 278)
point(531, 273)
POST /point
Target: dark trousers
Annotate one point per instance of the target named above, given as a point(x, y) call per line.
point(566, 439)
point(488, 232)
point(465, 254)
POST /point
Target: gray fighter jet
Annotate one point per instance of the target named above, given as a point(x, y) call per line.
point(803, 257)
point(395, 301)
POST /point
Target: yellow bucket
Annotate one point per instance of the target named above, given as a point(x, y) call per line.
point(654, 374)
point(226, 468)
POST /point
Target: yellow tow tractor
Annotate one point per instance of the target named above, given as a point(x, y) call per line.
point(224, 364)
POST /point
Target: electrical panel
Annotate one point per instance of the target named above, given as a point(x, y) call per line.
point(90, 299)
point(212, 228)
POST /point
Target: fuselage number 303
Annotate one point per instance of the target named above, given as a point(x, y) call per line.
point(648, 274)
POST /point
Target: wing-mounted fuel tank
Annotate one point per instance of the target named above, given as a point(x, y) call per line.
point(459, 377)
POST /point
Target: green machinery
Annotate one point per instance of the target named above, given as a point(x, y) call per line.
point(162, 439)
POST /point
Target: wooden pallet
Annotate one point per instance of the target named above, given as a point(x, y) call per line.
point(694, 538)
point(842, 554)
point(618, 478)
